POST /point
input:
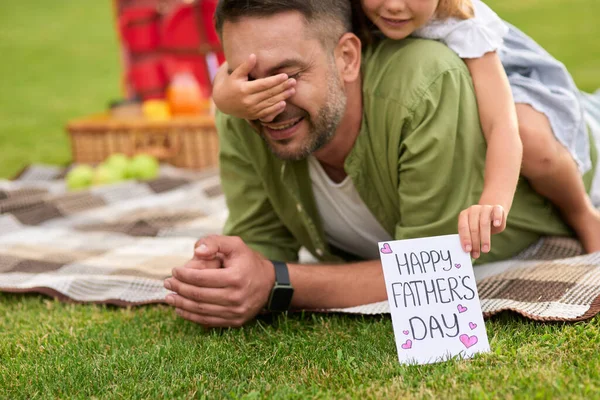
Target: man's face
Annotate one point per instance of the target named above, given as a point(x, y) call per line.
point(283, 44)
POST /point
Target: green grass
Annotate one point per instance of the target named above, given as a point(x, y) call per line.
point(48, 349)
point(59, 61)
point(567, 29)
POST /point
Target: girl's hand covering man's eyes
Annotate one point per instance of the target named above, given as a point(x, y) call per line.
point(236, 94)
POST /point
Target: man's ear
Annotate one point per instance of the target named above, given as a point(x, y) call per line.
point(348, 57)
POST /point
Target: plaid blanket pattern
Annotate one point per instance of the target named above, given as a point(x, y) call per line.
point(115, 244)
point(110, 244)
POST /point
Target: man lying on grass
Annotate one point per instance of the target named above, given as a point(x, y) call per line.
point(384, 147)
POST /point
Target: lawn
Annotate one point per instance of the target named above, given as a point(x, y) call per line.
point(60, 60)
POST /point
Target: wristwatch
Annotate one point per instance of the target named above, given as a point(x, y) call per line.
point(282, 292)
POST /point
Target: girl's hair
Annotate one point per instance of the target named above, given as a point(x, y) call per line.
point(361, 25)
point(364, 28)
point(461, 9)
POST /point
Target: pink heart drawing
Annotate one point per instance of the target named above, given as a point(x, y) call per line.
point(467, 340)
point(405, 332)
point(472, 325)
point(461, 309)
point(408, 344)
point(457, 266)
point(386, 249)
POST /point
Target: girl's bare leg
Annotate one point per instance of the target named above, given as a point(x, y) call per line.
point(553, 173)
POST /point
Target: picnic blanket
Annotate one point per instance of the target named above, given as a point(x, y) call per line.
point(115, 244)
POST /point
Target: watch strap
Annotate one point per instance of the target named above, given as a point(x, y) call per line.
point(282, 276)
point(280, 298)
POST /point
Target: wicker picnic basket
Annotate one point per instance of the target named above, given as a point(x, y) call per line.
point(157, 37)
point(189, 142)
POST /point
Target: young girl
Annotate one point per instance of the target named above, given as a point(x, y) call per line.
point(528, 106)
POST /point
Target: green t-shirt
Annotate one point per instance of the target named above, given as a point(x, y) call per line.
point(418, 161)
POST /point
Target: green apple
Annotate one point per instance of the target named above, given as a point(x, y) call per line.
point(80, 177)
point(143, 166)
point(118, 161)
point(105, 174)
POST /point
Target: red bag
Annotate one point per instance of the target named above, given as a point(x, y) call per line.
point(139, 28)
point(160, 37)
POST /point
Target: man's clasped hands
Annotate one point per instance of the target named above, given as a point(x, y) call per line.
point(225, 284)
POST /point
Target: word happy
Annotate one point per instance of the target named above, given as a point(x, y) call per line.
point(424, 261)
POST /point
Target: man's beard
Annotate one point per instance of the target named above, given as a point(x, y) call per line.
point(320, 130)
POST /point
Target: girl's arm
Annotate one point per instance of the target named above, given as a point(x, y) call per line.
point(499, 123)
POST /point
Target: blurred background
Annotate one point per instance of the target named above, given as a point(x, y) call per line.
point(64, 60)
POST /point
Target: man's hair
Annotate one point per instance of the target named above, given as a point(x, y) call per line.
point(331, 18)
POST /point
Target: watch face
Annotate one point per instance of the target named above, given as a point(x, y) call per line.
point(281, 298)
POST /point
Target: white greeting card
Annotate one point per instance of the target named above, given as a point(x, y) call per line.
point(435, 308)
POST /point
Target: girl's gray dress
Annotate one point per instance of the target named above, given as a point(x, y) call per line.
point(535, 77)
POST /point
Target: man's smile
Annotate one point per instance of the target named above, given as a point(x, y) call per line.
point(281, 131)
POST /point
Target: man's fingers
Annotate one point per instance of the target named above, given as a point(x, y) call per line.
point(197, 263)
point(474, 230)
point(270, 86)
point(203, 252)
point(209, 309)
point(485, 228)
point(226, 245)
point(464, 232)
point(244, 69)
point(208, 321)
point(205, 277)
point(200, 294)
